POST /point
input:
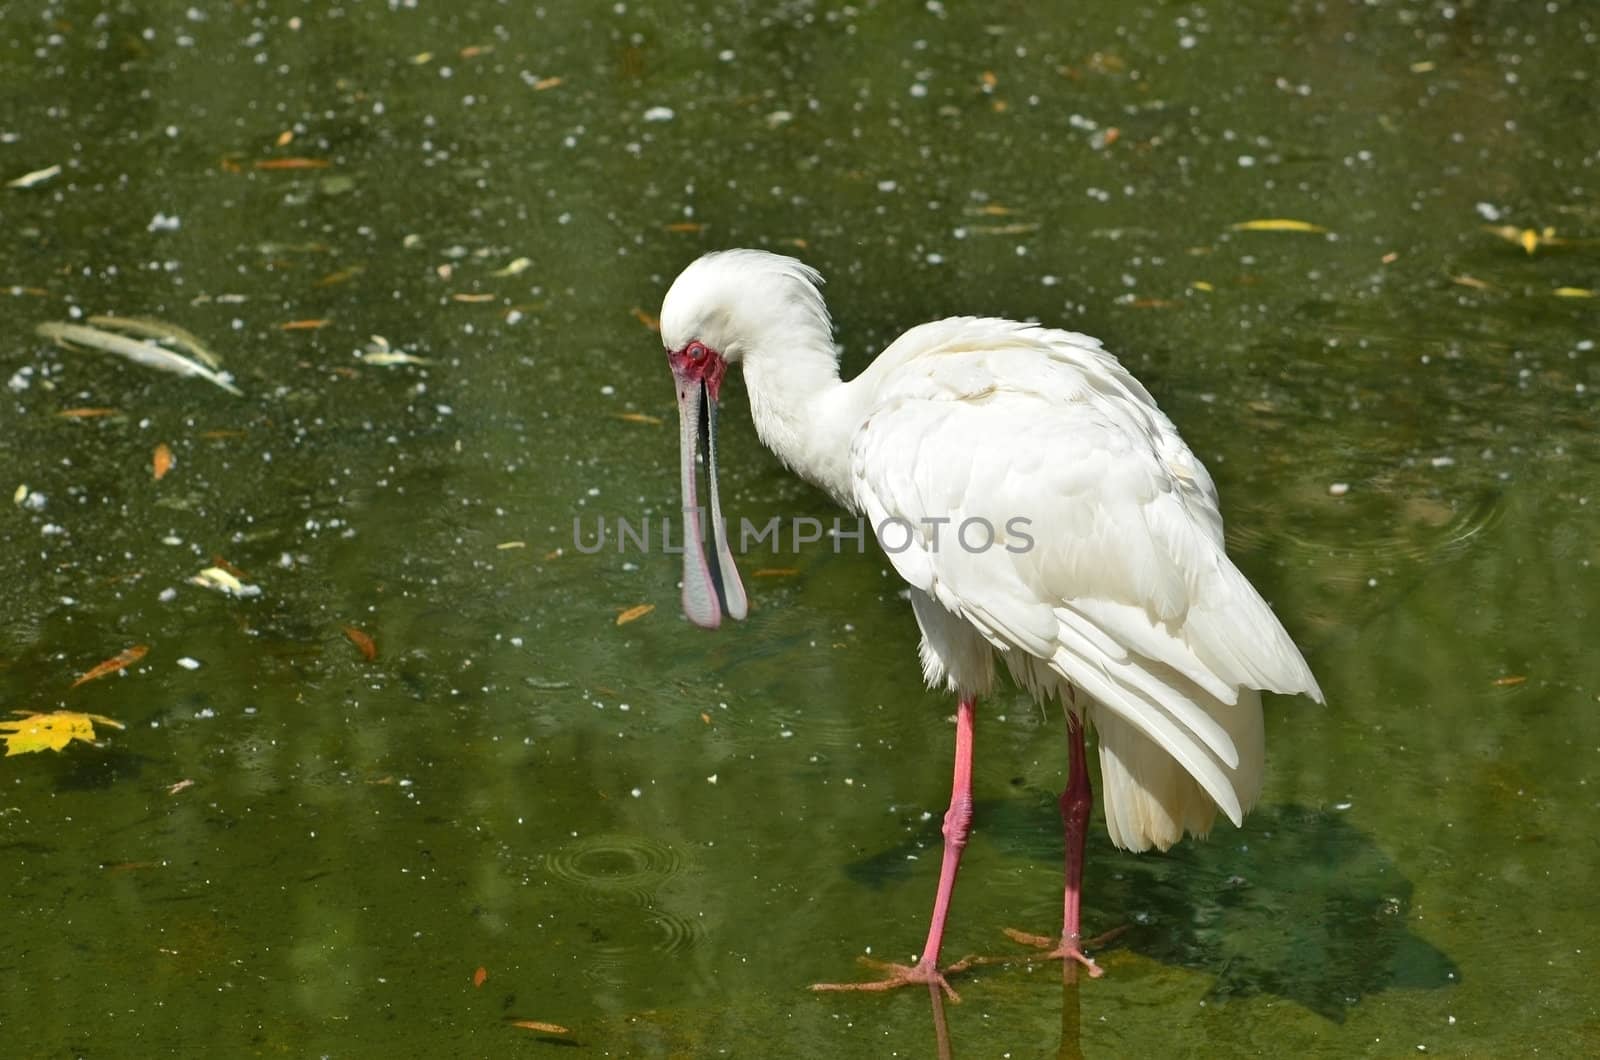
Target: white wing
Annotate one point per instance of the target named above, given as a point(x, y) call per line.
point(1108, 567)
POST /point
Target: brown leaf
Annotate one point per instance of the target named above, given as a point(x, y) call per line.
point(653, 323)
point(284, 138)
point(480, 976)
point(640, 417)
point(546, 82)
point(685, 226)
point(369, 650)
point(633, 614)
point(292, 163)
point(303, 325)
point(85, 414)
point(775, 572)
point(473, 297)
point(161, 461)
point(333, 279)
point(1509, 680)
point(537, 1025)
point(116, 662)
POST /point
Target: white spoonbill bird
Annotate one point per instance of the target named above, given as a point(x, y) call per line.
point(1042, 508)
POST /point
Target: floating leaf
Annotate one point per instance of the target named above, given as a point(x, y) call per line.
point(1277, 224)
point(223, 582)
point(145, 353)
point(389, 358)
point(651, 322)
point(85, 414)
point(292, 163)
point(545, 83)
point(161, 331)
point(182, 785)
point(304, 325)
point(344, 275)
point(369, 650)
point(633, 614)
point(517, 266)
point(480, 976)
point(38, 176)
point(538, 1025)
point(1573, 292)
point(639, 417)
point(775, 572)
point(505, 545)
point(1201, 285)
point(1472, 281)
point(473, 297)
point(685, 226)
point(117, 662)
point(161, 461)
point(52, 731)
point(1509, 680)
point(21, 494)
point(1529, 239)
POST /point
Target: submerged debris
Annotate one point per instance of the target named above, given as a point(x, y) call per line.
point(145, 352)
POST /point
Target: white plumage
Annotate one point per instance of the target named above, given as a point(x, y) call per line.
point(1107, 585)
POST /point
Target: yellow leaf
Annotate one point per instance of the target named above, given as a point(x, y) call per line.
point(633, 614)
point(1529, 239)
point(1202, 285)
point(1574, 292)
point(1277, 224)
point(161, 461)
point(52, 731)
point(639, 417)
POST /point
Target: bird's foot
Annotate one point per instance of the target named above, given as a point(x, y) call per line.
point(1066, 949)
point(897, 975)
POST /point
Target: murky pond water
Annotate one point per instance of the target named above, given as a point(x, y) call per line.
point(656, 837)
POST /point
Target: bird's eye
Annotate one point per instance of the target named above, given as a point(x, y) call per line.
point(696, 351)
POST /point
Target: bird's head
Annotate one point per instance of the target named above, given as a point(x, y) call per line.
point(722, 308)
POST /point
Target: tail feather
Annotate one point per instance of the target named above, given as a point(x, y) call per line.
point(1150, 799)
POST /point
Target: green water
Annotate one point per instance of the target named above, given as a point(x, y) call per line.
point(656, 837)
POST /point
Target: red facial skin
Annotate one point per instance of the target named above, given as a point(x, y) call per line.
point(698, 363)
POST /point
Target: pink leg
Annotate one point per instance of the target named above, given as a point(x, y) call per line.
point(1076, 802)
point(957, 824)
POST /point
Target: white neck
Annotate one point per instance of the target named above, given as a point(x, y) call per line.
point(802, 412)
